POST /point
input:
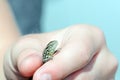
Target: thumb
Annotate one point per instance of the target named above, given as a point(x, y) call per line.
point(67, 61)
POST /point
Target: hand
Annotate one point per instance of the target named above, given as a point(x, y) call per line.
point(82, 55)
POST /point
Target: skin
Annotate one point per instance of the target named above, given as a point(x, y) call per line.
point(50, 50)
point(8, 32)
point(82, 57)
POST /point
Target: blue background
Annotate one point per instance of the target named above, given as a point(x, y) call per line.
point(105, 14)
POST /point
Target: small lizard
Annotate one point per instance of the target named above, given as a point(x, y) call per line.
point(53, 47)
point(50, 50)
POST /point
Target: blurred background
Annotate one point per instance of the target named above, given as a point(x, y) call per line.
point(50, 15)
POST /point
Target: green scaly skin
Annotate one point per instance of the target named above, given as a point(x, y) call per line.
point(50, 50)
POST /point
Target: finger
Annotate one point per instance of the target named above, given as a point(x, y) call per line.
point(62, 64)
point(73, 56)
point(28, 55)
point(86, 73)
point(96, 69)
point(24, 58)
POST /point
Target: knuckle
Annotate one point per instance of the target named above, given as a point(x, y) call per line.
point(81, 28)
point(100, 33)
point(115, 63)
point(88, 30)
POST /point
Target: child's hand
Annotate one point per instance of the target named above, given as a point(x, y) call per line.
point(82, 55)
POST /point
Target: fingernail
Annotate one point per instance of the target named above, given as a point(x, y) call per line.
point(45, 77)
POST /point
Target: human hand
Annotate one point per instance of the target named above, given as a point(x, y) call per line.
point(82, 55)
